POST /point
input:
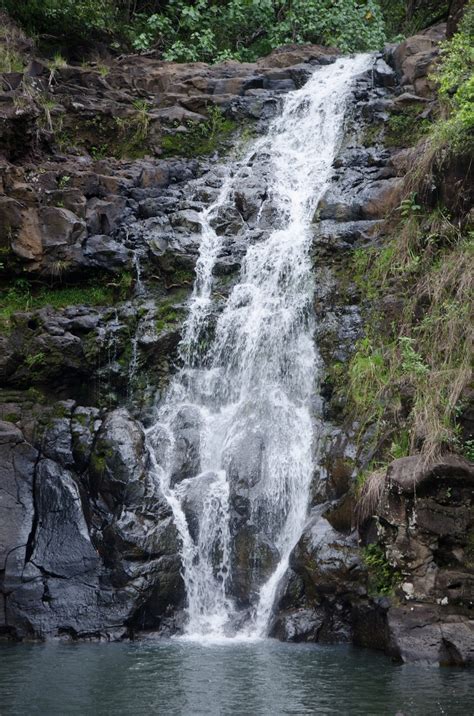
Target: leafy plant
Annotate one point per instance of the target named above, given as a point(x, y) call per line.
point(383, 578)
point(468, 449)
point(455, 78)
point(64, 181)
point(409, 206)
point(35, 360)
point(412, 362)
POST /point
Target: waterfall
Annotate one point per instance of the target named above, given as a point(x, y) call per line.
point(233, 444)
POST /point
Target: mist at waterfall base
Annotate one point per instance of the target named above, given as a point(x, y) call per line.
point(180, 678)
point(249, 379)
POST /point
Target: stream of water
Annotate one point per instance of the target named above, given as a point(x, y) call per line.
point(249, 375)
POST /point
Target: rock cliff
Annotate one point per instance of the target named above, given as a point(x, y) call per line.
point(104, 168)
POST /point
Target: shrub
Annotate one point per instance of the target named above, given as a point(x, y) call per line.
point(383, 578)
point(455, 78)
point(208, 30)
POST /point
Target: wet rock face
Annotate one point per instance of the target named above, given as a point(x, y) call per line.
point(324, 579)
point(88, 547)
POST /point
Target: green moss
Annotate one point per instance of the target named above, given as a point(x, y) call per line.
point(81, 419)
point(125, 357)
point(183, 276)
point(104, 136)
point(36, 395)
point(36, 359)
point(170, 311)
point(98, 464)
point(373, 134)
point(200, 137)
point(60, 411)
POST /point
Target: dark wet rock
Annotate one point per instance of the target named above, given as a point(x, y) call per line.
point(195, 492)
point(415, 58)
point(417, 633)
point(373, 201)
point(62, 544)
point(326, 577)
point(174, 251)
point(244, 464)
point(104, 252)
point(187, 443)
point(71, 565)
point(298, 625)
point(253, 560)
point(118, 461)
point(249, 195)
point(384, 74)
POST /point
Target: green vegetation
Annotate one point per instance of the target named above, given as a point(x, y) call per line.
point(200, 137)
point(468, 450)
point(209, 30)
point(408, 375)
point(245, 29)
point(383, 578)
point(404, 18)
point(75, 20)
point(169, 312)
point(104, 136)
point(132, 132)
point(23, 296)
point(405, 127)
point(411, 374)
point(35, 360)
point(455, 78)
point(10, 59)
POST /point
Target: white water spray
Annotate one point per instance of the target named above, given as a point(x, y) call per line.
point(246, 398)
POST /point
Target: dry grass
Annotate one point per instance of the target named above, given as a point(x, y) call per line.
point(13, 44)
point(370, 495)
point(410, 375)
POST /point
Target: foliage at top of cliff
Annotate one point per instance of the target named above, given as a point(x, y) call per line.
point(455, 77)
point(213, 30)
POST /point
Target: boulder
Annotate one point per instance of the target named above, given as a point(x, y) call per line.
point(425, 635)
point(106, 253)
point(118, 461)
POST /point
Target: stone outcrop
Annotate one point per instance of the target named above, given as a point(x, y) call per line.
point(88, 547)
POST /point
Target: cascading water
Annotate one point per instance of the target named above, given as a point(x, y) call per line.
point(242, 402)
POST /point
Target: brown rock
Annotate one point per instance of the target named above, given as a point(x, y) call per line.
point(60, 227)
point(381, 198)
point(28, 244)
point(10, 219)
point(408, 473)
